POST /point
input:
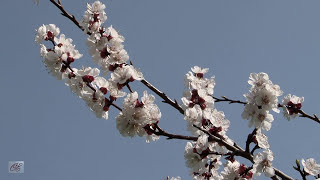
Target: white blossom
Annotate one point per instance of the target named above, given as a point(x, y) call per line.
point(125, 74)
point(58, 58)
point(107, 49)
point(263, 163)
point(175, 178)
point(193, 160)
point(266, 98)
point(136, 115)
point(217, 119)
point(262, 97)
point(96, 102)
point(94, 17)
point(46, 32)
point(235, 170)
point(311, 167)
point(262, 140)
point(259, 79)
point(261, 119)
point(78, 84)
point(290, 104)
point(196, 80)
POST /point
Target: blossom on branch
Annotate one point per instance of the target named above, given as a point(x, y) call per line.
point(107, 50)
point(311, 167)
point(262, 97)
point(291, 105)
point(46, 32)
point(93, 17)
point(235, 170)
point(57, 59)
point(202, 163)
point(263, 163)
point(137, 116)
point(261, 140)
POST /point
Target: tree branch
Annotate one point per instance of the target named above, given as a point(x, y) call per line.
point(237, 150)
point(165, 98)
point(225, 99)
point(303, 114)
point(67, 15)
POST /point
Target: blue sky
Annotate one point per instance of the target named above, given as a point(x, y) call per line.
point(45, 125)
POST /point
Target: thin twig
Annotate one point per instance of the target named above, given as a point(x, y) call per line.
point(67, 15)
point(165, 98)
point(275, 177)
point(303, 114)
point(116, 106)
point(250, 140)
point(254, 148)
point(129, 88)
point(225, 99)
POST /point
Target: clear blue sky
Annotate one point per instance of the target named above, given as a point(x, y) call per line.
point(45, 125)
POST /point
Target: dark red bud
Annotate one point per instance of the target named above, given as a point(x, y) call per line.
point(242, 169)
point(104, 90)
point(71, 75)
point(203, 106)
point(112, 98)
point(194, 91)
point(204, 122)
point(105, 108)
point(199, 75)
point(104, 53)
point(298, 106)
point(70, 59)
point(139, 104)
point(131, 79)
point(112, 67)
point(120, 86)
point(49, 35)
point(109, 37)
point(87, 78)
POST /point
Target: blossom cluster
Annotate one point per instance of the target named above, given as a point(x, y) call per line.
point(85, 82)
point(138, 117)
point(107, 49)
point(203, 157)
point(262, 97)
point(93, 17)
